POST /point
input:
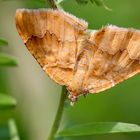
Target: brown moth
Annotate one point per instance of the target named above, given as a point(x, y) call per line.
point(83, 62)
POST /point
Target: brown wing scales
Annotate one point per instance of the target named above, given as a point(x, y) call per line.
point(53, 38)
point(112, 62)
point(83, 63)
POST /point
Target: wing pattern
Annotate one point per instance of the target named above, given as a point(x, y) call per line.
point(84, 63)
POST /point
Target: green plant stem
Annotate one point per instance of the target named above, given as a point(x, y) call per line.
point(53, 4)
point(58, 116)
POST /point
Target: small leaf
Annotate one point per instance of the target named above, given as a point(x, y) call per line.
point(102, 3)
point(6, 102)
point(8, 130)
point(98, 2)
point(7, 60)
point(13, 130)
point(99, 128)
point(3, 42)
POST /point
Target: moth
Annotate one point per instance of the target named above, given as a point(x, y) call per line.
point(83, 62)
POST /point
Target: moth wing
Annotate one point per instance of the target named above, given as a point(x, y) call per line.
point(53, 38)
point(115, 58)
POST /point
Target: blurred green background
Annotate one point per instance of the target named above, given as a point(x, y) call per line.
point(37, 95)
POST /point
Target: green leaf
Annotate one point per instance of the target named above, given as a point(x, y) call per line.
point(6, 101)
point(99, 128)
point(3, 42)
point(7, 60)
point(8, 130)
point(13, 130)
point(102, 3)
point(97, 2)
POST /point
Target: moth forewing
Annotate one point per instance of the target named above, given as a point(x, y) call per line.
point(84, 62)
